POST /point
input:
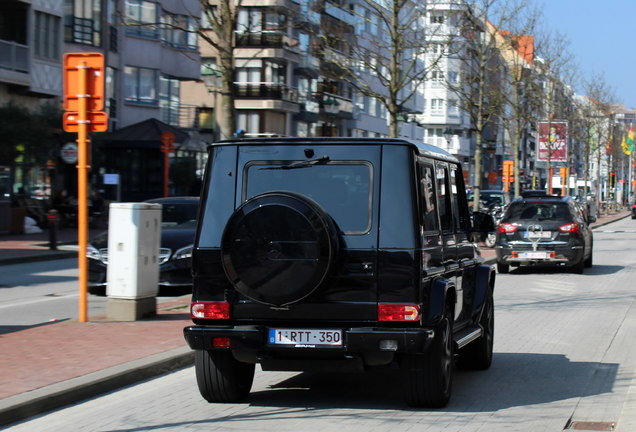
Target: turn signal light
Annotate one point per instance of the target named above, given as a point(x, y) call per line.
point(210, 310)
point(398, 312)
point(506, 228)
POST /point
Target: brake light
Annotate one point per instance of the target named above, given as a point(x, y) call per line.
point(210, 310)
point(570, 228)
point(506, 228)
point(398, 312)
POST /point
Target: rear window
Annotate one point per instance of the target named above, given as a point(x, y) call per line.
point(342, 188)
point(528, 210)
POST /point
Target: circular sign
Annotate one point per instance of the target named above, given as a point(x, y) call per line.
point(167, 138)
point(69, 153)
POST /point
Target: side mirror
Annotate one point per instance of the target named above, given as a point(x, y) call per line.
point(591, 219)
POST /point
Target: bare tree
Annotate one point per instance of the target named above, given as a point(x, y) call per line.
point(389, 57)
point(517, 45)
point(219, 20)
point(480, 90)
point(600, 113)
point(555, 72)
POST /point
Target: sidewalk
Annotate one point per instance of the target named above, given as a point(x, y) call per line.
point(48, 366)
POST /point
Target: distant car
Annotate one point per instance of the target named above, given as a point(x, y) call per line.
point(544, 229)
point(490, 199)
point(178, 225)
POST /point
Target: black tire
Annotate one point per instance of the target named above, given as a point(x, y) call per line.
point(590, 259)
point(427, 379)
point(278, 248)
point(222, 378)
point(503, 268)
point(478, 354)
point(578, 267)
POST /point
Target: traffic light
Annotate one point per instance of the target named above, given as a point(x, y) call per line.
point(508, 170)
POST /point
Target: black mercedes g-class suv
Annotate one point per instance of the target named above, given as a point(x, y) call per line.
point(342, 253)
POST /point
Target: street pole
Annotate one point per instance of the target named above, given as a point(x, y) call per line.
point(82, 195)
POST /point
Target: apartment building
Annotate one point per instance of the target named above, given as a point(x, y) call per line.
point(148, 56)
point(30, 77)
point(291, 57)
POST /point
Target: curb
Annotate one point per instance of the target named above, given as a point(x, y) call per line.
point(39, 401)
point(44, 256)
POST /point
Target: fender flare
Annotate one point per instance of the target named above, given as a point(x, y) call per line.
point(441, 291)
point(484, 281)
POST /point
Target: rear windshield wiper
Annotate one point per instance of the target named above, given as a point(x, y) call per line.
point(301, 164)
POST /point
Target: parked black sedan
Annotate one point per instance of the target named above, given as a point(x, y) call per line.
point(544, 229)
point(178, 225)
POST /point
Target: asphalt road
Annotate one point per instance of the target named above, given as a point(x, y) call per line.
point(564, 358)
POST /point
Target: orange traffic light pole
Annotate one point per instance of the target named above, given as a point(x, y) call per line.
point(82, 195)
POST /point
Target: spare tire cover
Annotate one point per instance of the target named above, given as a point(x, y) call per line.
point(278, 247)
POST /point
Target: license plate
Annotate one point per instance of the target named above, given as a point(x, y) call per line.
point(534, 255)
point(542, 234)
point(305, 338)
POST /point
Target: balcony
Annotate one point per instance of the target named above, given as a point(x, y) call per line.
point(266, 39)
point(336, 105)
point(14, 63)
point(265, 90)
point(14, 56)
point(340, 14)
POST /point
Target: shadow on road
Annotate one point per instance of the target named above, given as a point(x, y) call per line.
point(515, 379)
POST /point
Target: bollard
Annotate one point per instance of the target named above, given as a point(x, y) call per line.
point(52, 218)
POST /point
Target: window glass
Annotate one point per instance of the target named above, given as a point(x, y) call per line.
point(341, 188)
point(538, 211)
point(455, 178)
point(444, 199)
point(140, 85)
point(427, 191)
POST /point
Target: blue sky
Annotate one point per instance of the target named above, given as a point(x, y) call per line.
point(602, 36)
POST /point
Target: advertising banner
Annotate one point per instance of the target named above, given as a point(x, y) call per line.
point(553, 141)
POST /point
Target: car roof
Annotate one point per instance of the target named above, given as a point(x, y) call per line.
point(421, 148)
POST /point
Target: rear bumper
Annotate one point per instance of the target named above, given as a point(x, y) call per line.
point(563, 254)
point(355, 340)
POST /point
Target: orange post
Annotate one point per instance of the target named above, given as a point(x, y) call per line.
point(167, 139)
point(82, 195)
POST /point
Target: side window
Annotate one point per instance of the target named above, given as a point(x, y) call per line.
point(427, 194)
point(460, 206)
point(444, 198)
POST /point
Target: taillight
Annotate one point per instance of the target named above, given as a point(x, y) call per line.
point(506, 228)
point(221, 342)
point(210, 310)
point(398, 312)
point(569, 228)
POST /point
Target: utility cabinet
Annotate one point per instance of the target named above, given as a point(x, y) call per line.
point(134, 241)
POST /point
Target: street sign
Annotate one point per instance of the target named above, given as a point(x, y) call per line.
point(73, 63)
point(97, 121)
point(69, 153)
